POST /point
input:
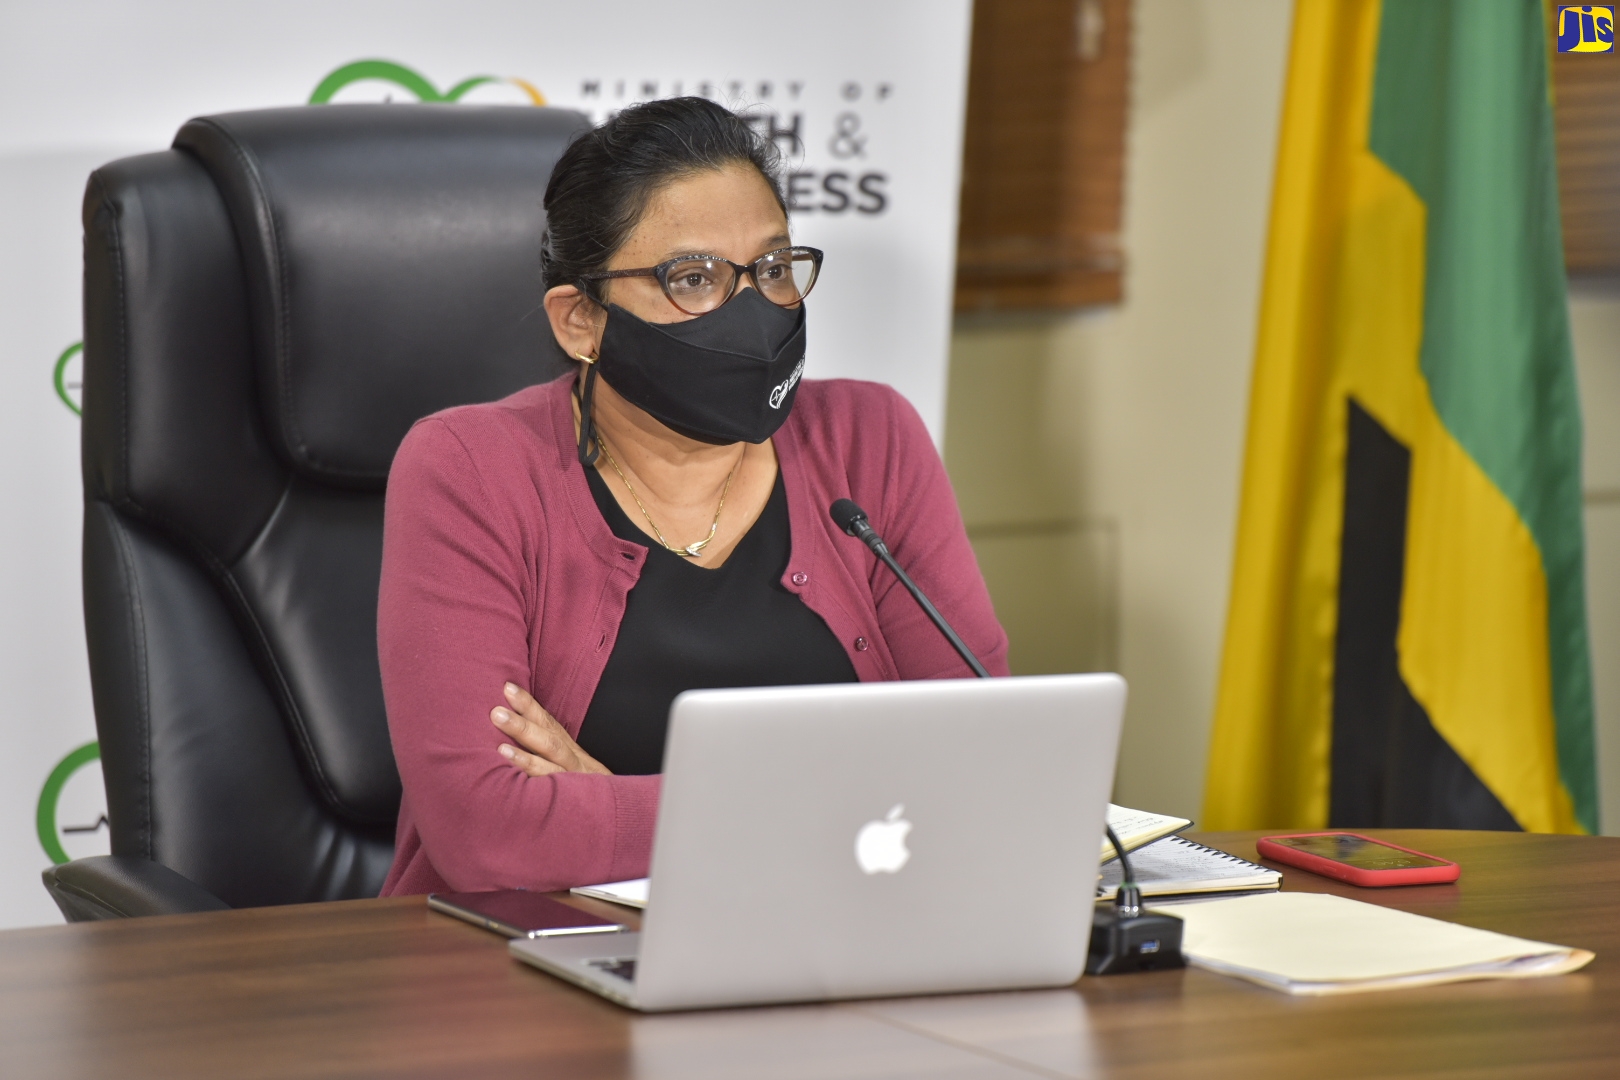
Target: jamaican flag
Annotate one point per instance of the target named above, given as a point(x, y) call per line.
point(1406, 643)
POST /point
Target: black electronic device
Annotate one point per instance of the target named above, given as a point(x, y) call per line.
point(1123, 936)
point(519, 913)
point(1126, 938)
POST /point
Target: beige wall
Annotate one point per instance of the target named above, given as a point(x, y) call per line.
point(1097, 454)
point(1594, 310)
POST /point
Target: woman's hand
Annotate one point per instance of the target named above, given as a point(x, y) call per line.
point(543, 746)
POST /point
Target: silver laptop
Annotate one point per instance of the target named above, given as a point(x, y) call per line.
point(866, 840)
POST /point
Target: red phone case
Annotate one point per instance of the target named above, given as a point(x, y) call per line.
point(1355, 875)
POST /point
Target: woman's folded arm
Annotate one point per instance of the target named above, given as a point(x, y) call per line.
point(455, 615)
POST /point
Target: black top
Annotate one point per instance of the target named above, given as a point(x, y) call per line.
point(687, 627)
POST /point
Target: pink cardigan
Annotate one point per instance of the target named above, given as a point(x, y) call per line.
point(497, 565)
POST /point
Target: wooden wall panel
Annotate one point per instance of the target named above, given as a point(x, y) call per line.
point(1586, 96)
point(1044, 157)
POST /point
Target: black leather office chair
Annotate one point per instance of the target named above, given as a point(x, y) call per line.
point(269, 305)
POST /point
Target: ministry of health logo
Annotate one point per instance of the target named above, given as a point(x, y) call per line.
point(1587, 29)
point(71, 815)
point(68, 377)
point(364, 80)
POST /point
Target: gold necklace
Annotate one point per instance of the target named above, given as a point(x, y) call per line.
point(690, 551)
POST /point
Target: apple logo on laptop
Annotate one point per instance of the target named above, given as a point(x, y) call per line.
point(880, 846)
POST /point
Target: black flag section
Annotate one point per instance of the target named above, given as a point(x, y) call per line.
point(1391, 768)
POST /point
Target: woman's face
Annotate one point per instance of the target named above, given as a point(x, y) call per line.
point(730, 213)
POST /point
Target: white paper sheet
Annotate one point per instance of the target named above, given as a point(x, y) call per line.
point(1317, 943)
point(632, 893)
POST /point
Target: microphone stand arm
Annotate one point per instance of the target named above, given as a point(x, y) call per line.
point(1123, 936)
point(863, 531)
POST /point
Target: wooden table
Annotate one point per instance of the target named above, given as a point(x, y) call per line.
point(388, 988)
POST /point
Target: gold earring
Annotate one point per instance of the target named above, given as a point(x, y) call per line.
point(585, 359)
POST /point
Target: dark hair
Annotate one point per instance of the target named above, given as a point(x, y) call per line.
point(604, 180)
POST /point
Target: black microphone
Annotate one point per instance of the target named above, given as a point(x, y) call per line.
point(1123, 937)
point(852, 519)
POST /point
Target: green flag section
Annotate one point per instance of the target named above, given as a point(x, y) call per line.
point(1406, 643)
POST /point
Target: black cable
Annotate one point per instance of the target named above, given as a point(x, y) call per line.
point(1128, 898)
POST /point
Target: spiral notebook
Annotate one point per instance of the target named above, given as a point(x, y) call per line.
point(1177, 867)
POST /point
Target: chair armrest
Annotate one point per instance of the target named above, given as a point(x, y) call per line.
point(123, 887)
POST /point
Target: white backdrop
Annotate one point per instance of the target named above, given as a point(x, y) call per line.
point(866, 99)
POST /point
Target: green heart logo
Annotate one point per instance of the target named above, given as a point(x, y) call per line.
point(406, 79)
point(45, 814)
point(65, 386)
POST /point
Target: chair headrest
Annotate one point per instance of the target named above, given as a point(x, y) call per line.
point(392, 261)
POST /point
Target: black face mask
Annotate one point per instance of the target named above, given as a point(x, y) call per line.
point(728, 376)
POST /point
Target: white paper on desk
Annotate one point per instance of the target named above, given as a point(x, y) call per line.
point(1317, 943)
point(632, 893)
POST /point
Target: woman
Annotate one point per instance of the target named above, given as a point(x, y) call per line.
point(559, 565)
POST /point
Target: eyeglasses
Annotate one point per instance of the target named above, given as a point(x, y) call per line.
point(698, 284)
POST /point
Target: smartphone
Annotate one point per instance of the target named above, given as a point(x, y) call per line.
point(1358, 859)
point(519, 913)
